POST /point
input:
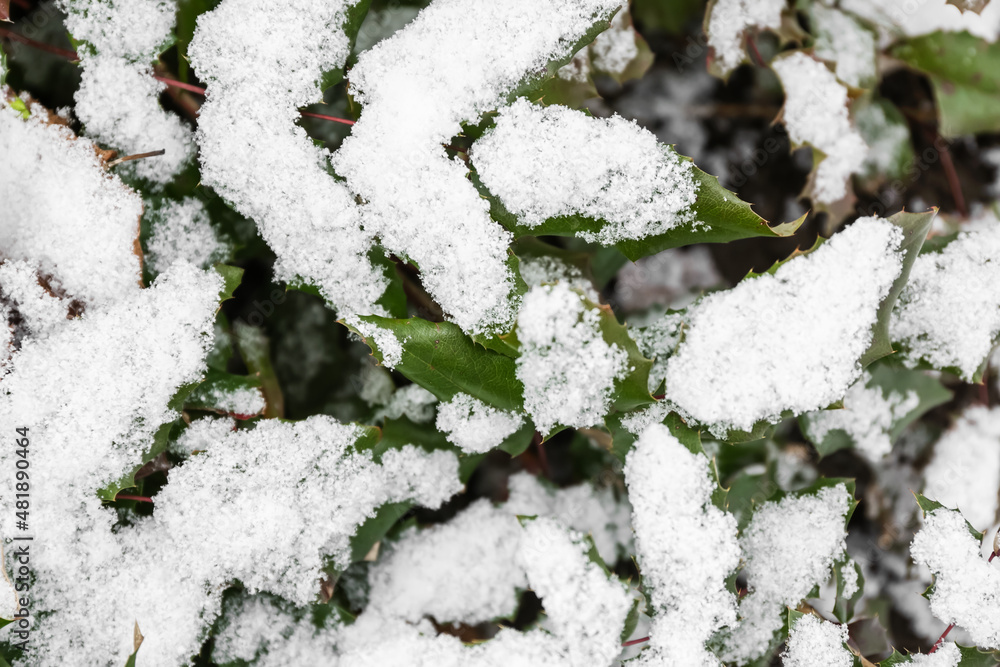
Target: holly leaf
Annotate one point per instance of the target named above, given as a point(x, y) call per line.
point(441, 358)
point(632, 391)
point(889, 380)
point(928, 505)
point(719, 217)
point(965, 74)
point(915, 227)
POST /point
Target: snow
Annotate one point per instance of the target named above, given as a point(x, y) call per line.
point(417, 88)
point(75, 221)
point(183, 230)
point(964, 472)
point(842, 40)
point(731, 19)
point(867, 417)
point(788, 548)
point(948, 314)
point(475, 426)
point(534, 161)
point(39, 310)
point(412, 401)
point(947, 655)
point(814, 642)
point(384, 340)
point(686, 548)
point(244, 401)
point(927, 16)
point(202, 434)
point(118, 99)
point(567, 368)
point(262, 162)
point(671, 278)
point(815, 113)
point(730, 372)
point(966, 587)
point(615, 48)
point(544, 269)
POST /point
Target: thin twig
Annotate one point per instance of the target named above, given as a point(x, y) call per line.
point(141, 499)
point(633, 642)
point(54, 50)
point(174, 83)
point(310, 114)
point(137, 156)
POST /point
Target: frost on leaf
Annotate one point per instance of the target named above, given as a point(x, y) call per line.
point(731, 372)
point(948, 314)
point(549, 162)
point(264, 164)
point(475, 426)
point(64, 212)
point(567, 368)
point(687, 548)
point(813, 641)
point(118, 99)
point(966, 588)
point(417, 88)
point(728, 22)
point(964, 471)
point(815, 113)
point(183, 230)
point(788, 548)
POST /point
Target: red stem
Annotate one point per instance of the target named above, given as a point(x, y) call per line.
point(173, 83)
point(636, 641)
point(321, 116)
point(141, 499)
point(944, 634)
point(55, 50)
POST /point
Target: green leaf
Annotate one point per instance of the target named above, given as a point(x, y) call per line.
point(889, 380)
point(231, 278)
point(970, 657)
point(18, 105)
point(915, 227)
point(720, 217)
point(927, 506)
point(632, 391)
point(843, 608)
point(376, 528)
point(210, 394)
point(3, 66)
point(965, 73)
point(441, 358)
point(255, 349)
point(188, 12)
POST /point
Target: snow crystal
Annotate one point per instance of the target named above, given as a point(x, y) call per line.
point(788, 548)
point(183, 230)
point(264, 164)
point(841, 40)
point(947, 655)
point(850, 576)
point(538, 270)
point(384, 340)
point(814, 641)
point(966, 588)
point(594, 512)
point(461, 571)
point(567, 368)
point(658, 341)
point(40, 311)
point(815, 113)
point(728, 22)
point(534, 161)
point(76, 222)
point(964, 472)
point(948, 314)
point(615, 48)
point(686, 548)
point(202, 434)
point(475, 426)
point(244, 401)
point(118, 99)
point(412, 401)
point(417, 88)
point(867, 417)
point(731, 372)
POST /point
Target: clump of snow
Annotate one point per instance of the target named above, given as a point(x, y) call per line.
point(964, 472)
point(567, 368)
point(78, 224)
point(788, 548)
point(544, 269)
point(460, 571)
point(532, 160)
point(888, 140)
point(966, 587)
point(687, 548)
point(615, 48)
point(40, 311)
point(913, 19)
point(867, 417)
point(183, 230)
point(948, 314)
point(417, 88)
point(384, 340)
point(412, 401)
point(118, 99)
point(475, 426)
point(262, 162)
point(243, 401)
point(814, 641)
point(947, 655)
point(731, 372)
point(815, 113)
point(592, 511)
point(731, 19)
point(202, 434)
point(842, 40)
point(671, 279)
